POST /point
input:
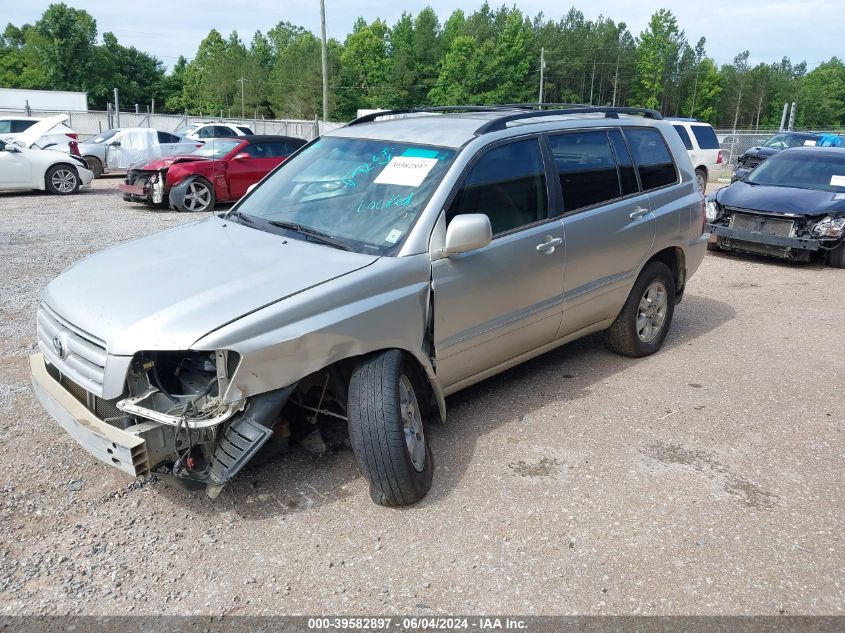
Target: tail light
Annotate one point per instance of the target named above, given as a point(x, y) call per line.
point(200, 144)
point(720, 158)
point(74, 148)
point(72, 135)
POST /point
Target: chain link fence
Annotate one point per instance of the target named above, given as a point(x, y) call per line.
point(734, 143)
point(89, 123)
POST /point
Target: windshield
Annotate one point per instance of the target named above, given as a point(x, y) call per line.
point(784, 141)
point(365, 193)
point(185, 130)
point(216, 148)
point(103, 137)
point(823, 172)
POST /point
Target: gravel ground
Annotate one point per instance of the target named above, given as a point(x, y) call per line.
point(706, 479)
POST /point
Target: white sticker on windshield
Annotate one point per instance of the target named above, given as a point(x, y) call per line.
point(837, 181)
point(393, 236)
point(405, 171)
point(809, 143)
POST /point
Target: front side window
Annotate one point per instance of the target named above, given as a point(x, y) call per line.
point(5, 126)
point(363, 194)
point(586, 168)
point(508, 185)
point(705, 137)
point(682, 132)
point(216, 148)
point(652, 157)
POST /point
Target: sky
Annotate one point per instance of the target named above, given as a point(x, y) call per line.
point(803, 30)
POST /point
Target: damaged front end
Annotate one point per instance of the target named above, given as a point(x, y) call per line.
point(144, 185)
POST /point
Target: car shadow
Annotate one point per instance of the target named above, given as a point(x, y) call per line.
point(299, 482)
point(813, 264)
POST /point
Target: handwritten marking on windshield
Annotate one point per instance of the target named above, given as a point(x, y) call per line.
point(396, 200)
point(377, 160)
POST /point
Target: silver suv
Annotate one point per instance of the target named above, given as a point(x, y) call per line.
point(383, 267)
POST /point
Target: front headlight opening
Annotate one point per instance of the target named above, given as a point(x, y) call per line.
point(711, 211)
point(829, 228)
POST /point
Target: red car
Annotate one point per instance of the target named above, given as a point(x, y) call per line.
point(219, 171)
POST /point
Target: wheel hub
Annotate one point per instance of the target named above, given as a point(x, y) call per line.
point(412, 426)
point(651, 313)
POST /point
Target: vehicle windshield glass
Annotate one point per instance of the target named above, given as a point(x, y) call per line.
point(185, 130)
point(103, 137)
point(365, 193)
point(783, 141)
point(789, 169)
point(216, 149)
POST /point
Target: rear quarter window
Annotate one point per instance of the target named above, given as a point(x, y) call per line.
point(652, 157)
point(705, 137)
point(682, 132)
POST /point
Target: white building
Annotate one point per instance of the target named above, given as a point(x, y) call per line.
point(50, 100)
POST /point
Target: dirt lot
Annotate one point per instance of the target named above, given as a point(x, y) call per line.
point(706, 479)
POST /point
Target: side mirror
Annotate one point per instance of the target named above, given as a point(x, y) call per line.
point(241, 156)
point(115, 143)
point(467, 233)
point(11, 148)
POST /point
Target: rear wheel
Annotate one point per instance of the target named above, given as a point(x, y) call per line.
point(199, 196)
point(836, 257)
point(62, 180)
point(641, 326)
point(94, 165)
point(386, 429)
point(701, 179)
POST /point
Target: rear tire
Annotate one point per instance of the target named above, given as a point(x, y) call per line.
point(836, 257)
point(62, 180)
point(386, 430)
point(701, 180)
point(94, 165)
point(642, 324)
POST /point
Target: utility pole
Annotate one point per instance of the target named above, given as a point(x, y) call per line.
point(325, 60)
point(616, 76)
point(117, 106)
point(592, 78)
point(542, 68)
point(241, 81)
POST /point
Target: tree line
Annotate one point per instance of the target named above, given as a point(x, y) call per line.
point(489, 56)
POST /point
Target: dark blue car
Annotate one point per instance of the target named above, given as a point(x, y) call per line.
point(792, 206)
point(755, 156)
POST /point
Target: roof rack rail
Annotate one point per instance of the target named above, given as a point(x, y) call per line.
point(367, 118)
point(500, 123)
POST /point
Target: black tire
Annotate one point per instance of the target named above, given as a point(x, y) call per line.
point(188, 204)
point(624, 336)
point(836, 257)
point(701, 179)
point(62, 180)
point(714, 246)
point(94, 165)
point(378, 433)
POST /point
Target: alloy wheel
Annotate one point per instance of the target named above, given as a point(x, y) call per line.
point(412, 425)
point(651, 312)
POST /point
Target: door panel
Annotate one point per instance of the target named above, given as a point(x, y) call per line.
point(497, 302)
point(15, 169)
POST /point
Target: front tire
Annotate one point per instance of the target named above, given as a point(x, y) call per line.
point(199, 196)
point(641, 326)
point(386, 429)
point(836, 257)
point(62, 180)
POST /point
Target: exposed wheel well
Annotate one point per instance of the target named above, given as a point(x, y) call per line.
point(674, 259)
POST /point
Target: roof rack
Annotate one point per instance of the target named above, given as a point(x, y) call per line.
point(500, 123)
point(367, 118)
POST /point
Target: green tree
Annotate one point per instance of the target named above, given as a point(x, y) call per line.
point(66, 40)
point(658, 50)
point(365, 68)
point(821, 97)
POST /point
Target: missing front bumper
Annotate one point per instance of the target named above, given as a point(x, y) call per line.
point(756, 237)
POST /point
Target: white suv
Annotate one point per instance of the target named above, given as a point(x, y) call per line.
point(703, 149)
point(202, 131)
point(11, 126)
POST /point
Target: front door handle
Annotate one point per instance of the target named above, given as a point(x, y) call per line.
point(548, 246)
point(637, 213)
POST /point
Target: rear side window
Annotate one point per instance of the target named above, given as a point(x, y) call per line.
point(221, 131)
point(705, 136)
point(627, 175)
point(652, 157)
point(586, 169)
point(245, 130)
point(508, 185)
point(164, 137)
point(682, 132)
point(206, 132)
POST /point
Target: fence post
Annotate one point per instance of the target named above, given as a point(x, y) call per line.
point(28, 109)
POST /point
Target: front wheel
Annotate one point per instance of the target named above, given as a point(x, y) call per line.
point(641, 326)
point(836, 257)
point(62, 180)
point(199, 196)
point(386, 429)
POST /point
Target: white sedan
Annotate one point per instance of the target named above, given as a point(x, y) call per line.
point(24, 167)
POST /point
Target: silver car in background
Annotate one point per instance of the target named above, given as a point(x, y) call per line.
point(383, 267)
point(114, 150)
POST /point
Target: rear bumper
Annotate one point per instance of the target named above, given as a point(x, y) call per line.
point(800, 243)
point(110, 445)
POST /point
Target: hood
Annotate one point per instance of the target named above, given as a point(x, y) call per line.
point(168, 290)
point(163, 162)
point(30, 136)
point(762, 152)
point(781, 200)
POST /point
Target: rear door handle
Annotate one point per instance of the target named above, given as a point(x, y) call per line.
point(549, 245)
point(637, 213)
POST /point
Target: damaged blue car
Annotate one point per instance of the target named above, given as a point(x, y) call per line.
point(791, 207)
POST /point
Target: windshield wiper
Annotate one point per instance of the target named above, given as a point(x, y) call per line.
point(308, 231)
point(240, 217)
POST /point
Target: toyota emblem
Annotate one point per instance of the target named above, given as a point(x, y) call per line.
point(58, 346)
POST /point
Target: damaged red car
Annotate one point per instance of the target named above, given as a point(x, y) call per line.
point(219, 171)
